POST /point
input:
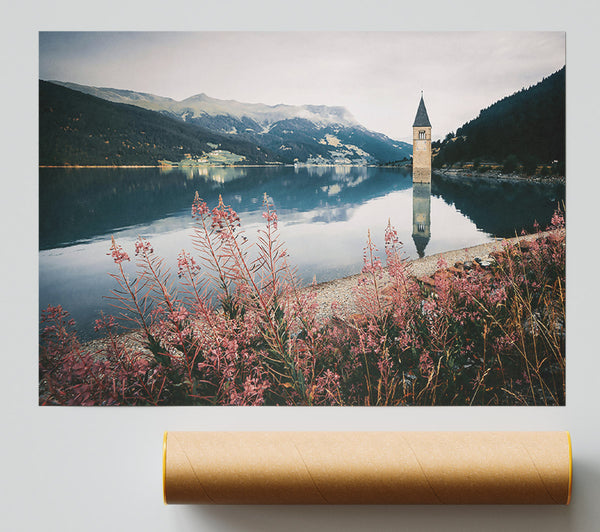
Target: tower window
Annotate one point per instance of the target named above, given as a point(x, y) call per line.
point(421, 134)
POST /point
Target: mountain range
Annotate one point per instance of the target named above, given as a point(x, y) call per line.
point(92, 125)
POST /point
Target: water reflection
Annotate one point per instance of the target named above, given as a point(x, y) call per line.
point(80, 204)
point(501, 207)
point(324, 215)
point(421, 232)
point(215, 174)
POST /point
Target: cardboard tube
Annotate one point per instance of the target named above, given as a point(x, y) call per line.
point(367, 467)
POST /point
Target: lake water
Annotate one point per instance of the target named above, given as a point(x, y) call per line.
point(324, 215)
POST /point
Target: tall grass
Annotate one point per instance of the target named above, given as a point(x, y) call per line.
point(232, 326)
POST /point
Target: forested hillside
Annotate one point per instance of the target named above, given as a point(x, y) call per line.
point(79, 129)
point(528, 127)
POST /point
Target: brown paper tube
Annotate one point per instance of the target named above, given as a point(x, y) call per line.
point(367, 467)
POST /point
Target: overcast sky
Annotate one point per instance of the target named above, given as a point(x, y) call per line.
point(377, 76)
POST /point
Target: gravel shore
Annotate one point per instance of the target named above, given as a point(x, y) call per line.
point(497, 175)
point(341, 291)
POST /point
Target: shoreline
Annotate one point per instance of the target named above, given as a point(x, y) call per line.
point(79, 166)
point(498, 176)
point(172, 166)
point(449, 173)
point(98, 166)
point(341, 290)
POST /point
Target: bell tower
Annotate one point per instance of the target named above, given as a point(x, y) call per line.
point(421, 145)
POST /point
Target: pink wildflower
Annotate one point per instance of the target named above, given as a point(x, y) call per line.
point(143, 246)
point(117, 252)
point(186, 262)
point(224, 216)
point(179, 314)
point(557, 221)
point(105, 322)
point(425, 364)
point(199, 207)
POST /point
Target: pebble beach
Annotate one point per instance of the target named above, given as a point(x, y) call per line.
point(341, 291)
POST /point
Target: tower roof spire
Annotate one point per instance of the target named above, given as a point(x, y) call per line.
point(422, 120)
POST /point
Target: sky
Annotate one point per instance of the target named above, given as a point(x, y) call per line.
point(377, 76)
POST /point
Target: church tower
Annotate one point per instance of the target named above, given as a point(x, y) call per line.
point(421, 145)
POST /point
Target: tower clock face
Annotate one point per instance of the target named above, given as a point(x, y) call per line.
point(421, 144)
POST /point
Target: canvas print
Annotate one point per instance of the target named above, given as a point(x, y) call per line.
point(302, 218)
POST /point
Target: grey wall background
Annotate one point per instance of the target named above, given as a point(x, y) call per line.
point(91, 469)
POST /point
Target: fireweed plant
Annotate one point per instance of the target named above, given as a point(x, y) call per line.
point(238, 329)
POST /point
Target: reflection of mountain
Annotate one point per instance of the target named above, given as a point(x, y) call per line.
point(500, 208)
point(79, 204)
point(208, 173)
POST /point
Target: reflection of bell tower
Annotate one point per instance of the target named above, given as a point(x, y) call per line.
point(421, 145)
point(421, 216)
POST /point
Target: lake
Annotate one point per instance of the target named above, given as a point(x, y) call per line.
point(324, 216)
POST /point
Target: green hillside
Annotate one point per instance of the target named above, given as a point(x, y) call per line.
point(528, 127)
point(79, 129)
